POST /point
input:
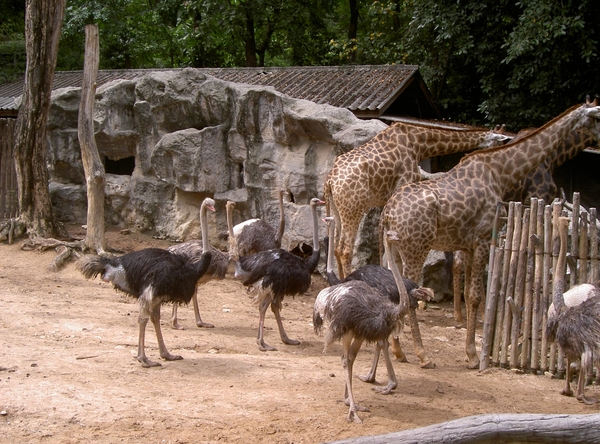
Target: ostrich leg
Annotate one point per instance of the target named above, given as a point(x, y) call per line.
point(199, 321)
point(275, 308)
point(351, 348)
point(392, 382)
point(143, 321)
point(264, 304)
point(162, 348)
point(370, 377)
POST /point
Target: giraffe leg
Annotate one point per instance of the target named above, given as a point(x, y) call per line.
point(457, 272)
point(397, 349)
point(475, 292)
point(417, 341)
point(586, 361)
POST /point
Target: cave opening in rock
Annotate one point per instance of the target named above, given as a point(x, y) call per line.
point(121, 167)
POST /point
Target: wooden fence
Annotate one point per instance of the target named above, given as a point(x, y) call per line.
point(9, 207)
point(520, 282)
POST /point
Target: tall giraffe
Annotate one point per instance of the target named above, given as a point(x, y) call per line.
point(367, 176)
point(538, 183)
point(456, 211)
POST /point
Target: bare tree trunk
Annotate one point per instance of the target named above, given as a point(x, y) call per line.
point(499, 429)
point(92, 165)
point(43, 22)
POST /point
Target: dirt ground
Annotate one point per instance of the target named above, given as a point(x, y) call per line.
point(68, 372)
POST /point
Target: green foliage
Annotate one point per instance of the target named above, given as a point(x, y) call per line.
point(485, 62)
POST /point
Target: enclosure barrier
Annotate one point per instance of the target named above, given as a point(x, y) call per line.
point(519, 289)
point(9, 207)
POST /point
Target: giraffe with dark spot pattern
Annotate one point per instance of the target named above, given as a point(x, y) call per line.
point(456, 211)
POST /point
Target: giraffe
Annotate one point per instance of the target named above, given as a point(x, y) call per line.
point(456, 211)
point(538, 183)
point(366, 177)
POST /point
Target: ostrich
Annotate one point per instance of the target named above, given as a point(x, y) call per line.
point(277, 273)
point(192, 251)
point(153, 276)
point(576, 329)
point(254, 235)
point(383, 281)
point(356, 312)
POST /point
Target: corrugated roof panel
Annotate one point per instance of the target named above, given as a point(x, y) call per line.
point(355, 87)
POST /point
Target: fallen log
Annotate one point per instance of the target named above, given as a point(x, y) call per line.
point(498, 428)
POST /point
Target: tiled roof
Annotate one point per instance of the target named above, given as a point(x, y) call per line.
point(359, 88)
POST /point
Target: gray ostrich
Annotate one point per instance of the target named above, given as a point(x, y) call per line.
point(192, 251)
point(153, 276)
point(383, 281)
point(356, 312)
point(576, 329)
point(276, 273)
point(254, 235)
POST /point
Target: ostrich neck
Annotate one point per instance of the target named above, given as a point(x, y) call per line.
point(281, 220)
point(204, 222)
point(316, 245)
point(559, 273)
point(404, 302)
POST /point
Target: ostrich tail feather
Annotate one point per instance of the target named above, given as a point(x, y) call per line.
point(91, 266)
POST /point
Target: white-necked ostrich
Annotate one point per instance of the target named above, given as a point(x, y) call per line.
point(356, 312)
point(576, 329)
point(192, 251)
point(154, 276)
point(254, 235)
point(383, 281)
point(276, 273)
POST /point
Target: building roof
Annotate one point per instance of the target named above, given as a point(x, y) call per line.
point(369, 91)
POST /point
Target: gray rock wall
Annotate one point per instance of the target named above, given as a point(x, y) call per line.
point(194, 136)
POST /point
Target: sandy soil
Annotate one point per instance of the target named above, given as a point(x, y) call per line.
point(68, 372)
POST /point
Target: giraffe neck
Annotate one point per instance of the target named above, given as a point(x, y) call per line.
point(428, 140)
point(573, 144)
point(511, 163)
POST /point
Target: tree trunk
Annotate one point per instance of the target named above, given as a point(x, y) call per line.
point(92, 165)
point(353, 28)
point(250, 42)
point(499, 429)
point(43, 22)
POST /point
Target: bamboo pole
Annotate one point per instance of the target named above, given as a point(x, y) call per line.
point(583, 249)
point(502, 295)
point(510, 286)
point(556, 212)
point(593, 236)
point(547, 265)
point(519, 288)
point(537, 287)
point(575, 235)
point(491, 309)
point(528, 295)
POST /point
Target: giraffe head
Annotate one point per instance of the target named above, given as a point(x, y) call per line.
point(495, 138)
point(590, 124)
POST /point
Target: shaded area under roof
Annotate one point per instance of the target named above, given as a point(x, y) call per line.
point(369, 91)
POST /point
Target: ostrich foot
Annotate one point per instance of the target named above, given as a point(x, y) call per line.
point(387, 389)
point(147, 363)
point(586, 400)
point(353, 417)
point(263, 346)
point(369, 377)
point(201, 324)
point(169, 357)
point(175, 325)
point(566, 392)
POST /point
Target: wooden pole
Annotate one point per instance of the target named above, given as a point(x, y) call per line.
point(546, 283)
point(575, 236)
point(583, 249)
point(593, 236)
point(502, 295)
point(490, 310)
point(510, 287)
point(92, 165)
point(556, 212)
point(529, 277)
point(519, 288)
point(537, 289)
